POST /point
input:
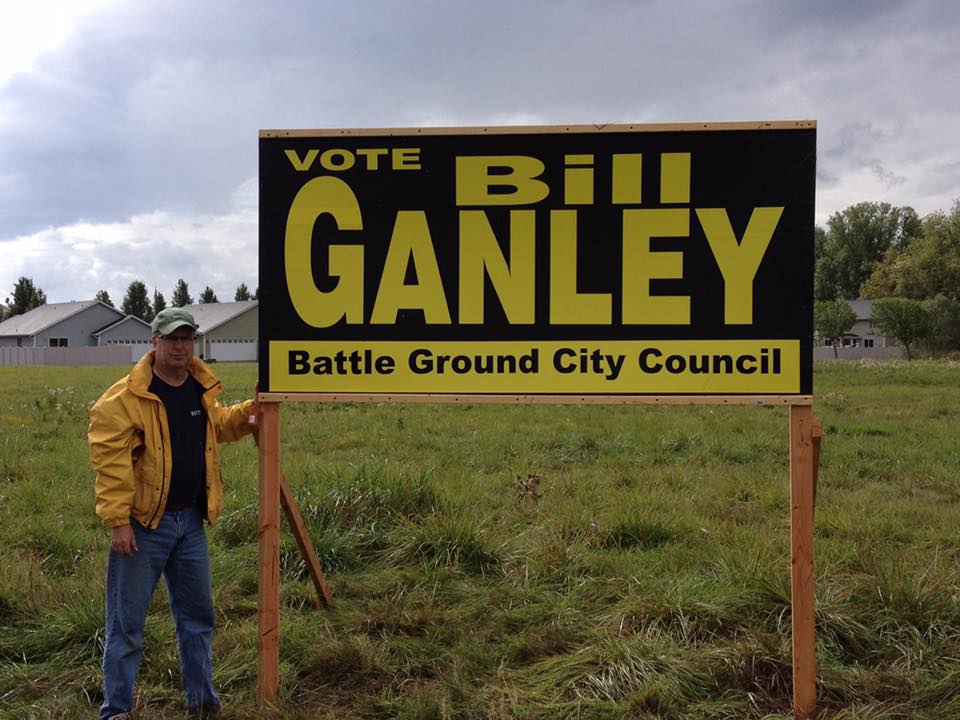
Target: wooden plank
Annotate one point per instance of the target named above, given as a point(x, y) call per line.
point(542, 129)
point(817, 437)
point(540, 399)
point(268, 544)
point(299, 529)
point(300, 534)
point(801, 556)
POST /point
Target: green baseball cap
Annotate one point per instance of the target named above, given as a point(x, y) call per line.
point(169, 319)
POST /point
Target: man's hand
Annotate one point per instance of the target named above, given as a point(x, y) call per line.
point(123, 540)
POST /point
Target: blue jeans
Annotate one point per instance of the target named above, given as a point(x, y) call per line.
point(177, 549)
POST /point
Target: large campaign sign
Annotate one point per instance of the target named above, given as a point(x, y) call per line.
point(571, 260)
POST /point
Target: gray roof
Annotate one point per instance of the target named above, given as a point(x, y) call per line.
point(121, 321)
point(863, 308)
point(40, 318)
point(210, 316)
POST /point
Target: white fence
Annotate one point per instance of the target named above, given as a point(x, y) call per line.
point(116, 355)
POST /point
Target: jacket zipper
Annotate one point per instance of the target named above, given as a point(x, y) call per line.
point(163, 472)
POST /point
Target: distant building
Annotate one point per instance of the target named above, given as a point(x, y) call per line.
point(863, 340)
point(130, 331)
point(59, 325)
point(227, 332)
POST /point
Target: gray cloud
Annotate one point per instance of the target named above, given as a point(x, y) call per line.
point(154, 107)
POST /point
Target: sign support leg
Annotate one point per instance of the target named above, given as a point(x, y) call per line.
point(299, 529)
point(268, 544)
point(802, 474)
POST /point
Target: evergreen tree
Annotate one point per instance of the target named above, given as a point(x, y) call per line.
point(256, 294)
point(135, 302)
point(242, 293)
point(104, 297)
point(159, 302)
point(208, 296)
point(26, 296)
point(181, 295)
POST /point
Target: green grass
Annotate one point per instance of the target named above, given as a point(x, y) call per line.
point(522, 562)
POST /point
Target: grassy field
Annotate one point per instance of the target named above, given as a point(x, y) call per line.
point(523, 562)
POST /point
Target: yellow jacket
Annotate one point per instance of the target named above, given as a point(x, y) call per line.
point(130, 445)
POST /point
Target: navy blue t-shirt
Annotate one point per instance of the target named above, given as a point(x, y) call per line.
point(187, 421)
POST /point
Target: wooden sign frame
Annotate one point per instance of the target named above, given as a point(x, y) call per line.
point(287, 322)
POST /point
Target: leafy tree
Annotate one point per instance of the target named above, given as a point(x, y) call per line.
point(857, 239)
point(208, 296)
point(242, 293)
point(256, 294)
point(26, 296)
point(907, 320)
point(946, 324)
point(159, 302)
point(928, 267)
point(104, 297)
point(135, 302)
point(832, 319)
point(181, 295)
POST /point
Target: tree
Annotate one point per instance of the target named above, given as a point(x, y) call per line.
point(928, 267)
point(135, 302)
point(159, 302)
point(208, 296)
point(946, 324)
point(104, 297)
point(26, 296)
point(857, 239)
point(181, 295)
point(242, 293)
point(907, 320)
point(832, 319)
point(256, 294)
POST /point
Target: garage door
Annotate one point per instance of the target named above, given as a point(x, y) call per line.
point(232, 350)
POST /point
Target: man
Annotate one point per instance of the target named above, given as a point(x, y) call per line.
point(153, 442)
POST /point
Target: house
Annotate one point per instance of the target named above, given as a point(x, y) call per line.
point(130, 331)
point(227, 331)
point(863, 340)
point(58, 325)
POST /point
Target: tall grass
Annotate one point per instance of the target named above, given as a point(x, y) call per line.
point(522, 561)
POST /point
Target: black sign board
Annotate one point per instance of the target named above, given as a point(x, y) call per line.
point(611, 261)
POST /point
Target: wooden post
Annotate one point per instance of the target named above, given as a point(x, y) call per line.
point(268, 543)
point(817, 442)
point(801, 557)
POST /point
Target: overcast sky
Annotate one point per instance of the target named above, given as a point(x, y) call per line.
point(128, 129)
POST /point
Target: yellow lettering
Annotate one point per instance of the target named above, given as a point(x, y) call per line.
point(337, 159)
point(410, 241)
point(474, 180)
point(675, 177)
point(322, 309)
point(513, 282)
point(641, 265)
point(406, 158)
point(373, 156)
point(627, 174)
point(301, 165)
point(578, 181)
point(567, 306)
point(738, 262)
